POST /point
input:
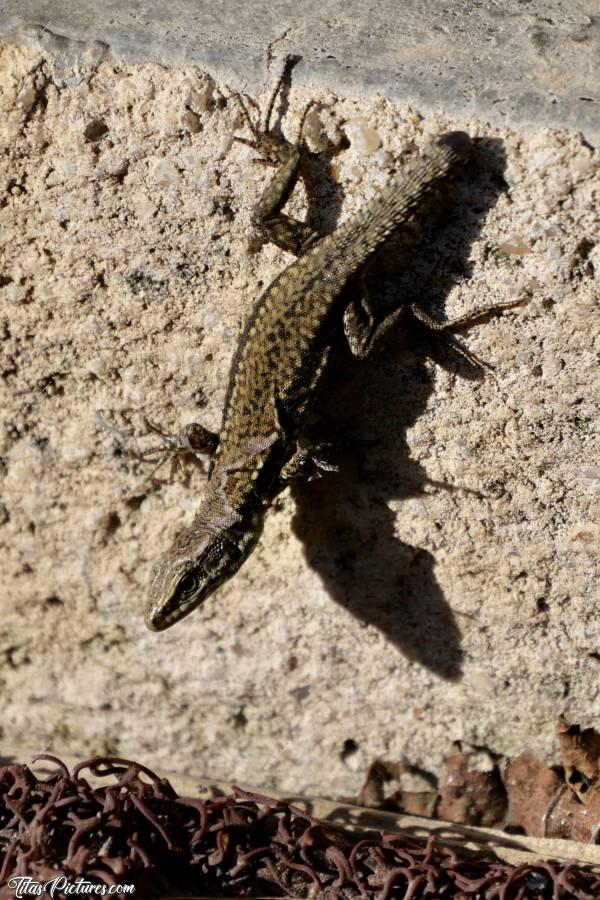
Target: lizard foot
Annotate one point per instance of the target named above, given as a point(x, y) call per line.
point(193, 439)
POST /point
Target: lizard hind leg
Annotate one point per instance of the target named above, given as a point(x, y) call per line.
point(265, 126)
point(464, 321)
point(362, 329)
point(240, 100)
point(310, 105)
point(288, 63)
point(308, 463)
point(193, 439)
point(284, 157)
point(263, 138)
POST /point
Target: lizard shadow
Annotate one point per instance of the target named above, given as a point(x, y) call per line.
point(343, 519)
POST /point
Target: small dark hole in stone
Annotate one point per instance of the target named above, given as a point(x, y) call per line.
point(350, 747)
point(95, 130)
point(136, 502)
point(111, 522)
point(240, 720)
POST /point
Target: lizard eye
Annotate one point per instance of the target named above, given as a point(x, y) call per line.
point(188, 585)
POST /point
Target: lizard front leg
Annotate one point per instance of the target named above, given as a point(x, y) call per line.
point(193, 438)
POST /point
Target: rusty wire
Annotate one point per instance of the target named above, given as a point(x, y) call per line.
point(137, 830)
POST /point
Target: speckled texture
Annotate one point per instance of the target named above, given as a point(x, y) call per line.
point(441, 586)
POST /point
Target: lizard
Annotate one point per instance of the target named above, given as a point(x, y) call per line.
point(281, 356)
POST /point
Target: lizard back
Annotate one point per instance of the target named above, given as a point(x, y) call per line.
point(287, 339)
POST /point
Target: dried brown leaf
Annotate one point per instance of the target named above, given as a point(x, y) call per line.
point(532, 786)
point(580, 754)
point(573, 819)
point(473, 792)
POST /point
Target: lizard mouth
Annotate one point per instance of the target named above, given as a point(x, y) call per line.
point(188, 593)
point(176, 589)
point(181, 593)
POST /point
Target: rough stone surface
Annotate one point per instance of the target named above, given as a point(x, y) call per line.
point(443, 585)
point(509, 61)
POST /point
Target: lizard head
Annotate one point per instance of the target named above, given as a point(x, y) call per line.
point(201, 558)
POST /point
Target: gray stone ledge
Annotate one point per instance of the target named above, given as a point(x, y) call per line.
point(512, 62)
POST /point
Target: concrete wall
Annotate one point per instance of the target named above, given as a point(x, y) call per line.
point(443, 585)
